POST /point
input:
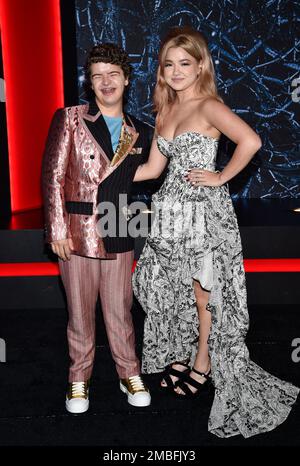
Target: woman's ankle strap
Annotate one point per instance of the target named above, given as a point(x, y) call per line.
point(201, 373)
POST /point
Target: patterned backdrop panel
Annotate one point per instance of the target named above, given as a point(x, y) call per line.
point(256, 50)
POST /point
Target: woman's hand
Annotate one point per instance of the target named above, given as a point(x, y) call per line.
point(198, 177)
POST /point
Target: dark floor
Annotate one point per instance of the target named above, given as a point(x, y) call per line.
point(33, 382)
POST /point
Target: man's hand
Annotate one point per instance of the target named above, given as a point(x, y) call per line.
point(198, 177)
point(63, 248)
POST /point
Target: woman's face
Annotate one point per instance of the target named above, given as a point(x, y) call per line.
point(181, 70)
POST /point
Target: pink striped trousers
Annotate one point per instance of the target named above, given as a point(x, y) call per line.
point(84, 278)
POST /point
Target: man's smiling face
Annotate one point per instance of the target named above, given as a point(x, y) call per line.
point(108, 83)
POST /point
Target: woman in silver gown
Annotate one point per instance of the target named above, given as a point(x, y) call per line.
point(190, 278)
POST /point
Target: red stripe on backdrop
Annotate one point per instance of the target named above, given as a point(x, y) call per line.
point(272, 265)
point(51, 268)
point(29, 269)
point(32, 65)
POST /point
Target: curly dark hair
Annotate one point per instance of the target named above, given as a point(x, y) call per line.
point(107, 53)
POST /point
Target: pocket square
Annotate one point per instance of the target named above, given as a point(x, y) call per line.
point(136, 150)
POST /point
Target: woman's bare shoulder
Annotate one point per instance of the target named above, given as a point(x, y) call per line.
point(212, 107)
point(210, 103)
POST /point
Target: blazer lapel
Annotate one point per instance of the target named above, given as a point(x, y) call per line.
point(96, 125)
point(127, 140)
point(102, 138)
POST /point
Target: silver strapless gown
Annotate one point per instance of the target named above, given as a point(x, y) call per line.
point(203, 244)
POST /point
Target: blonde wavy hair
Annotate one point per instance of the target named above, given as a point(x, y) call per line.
point(195, 43)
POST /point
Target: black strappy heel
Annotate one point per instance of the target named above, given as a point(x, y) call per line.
point(201, 387)
point(169, 370)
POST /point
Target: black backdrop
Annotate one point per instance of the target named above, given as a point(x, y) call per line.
point(255, 47)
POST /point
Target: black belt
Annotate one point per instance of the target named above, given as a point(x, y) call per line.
point(82, 208)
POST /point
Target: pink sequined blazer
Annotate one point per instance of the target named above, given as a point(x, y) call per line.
point(76, 164)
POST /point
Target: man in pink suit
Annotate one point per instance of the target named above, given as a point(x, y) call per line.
point(91, 155)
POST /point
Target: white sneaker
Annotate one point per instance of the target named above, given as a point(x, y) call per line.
point(137, 393)
point(77, 399)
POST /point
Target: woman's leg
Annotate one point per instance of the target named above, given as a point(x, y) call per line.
point(202, 360)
